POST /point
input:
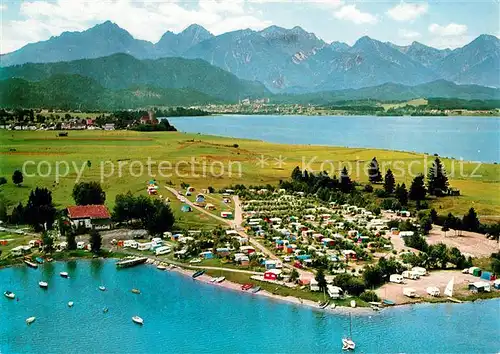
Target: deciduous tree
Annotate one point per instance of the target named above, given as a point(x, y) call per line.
point(88, 193)
point(17, 178)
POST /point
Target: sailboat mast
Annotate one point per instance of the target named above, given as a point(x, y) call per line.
point(350, 325)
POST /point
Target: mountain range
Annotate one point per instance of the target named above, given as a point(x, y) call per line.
point(284, 60)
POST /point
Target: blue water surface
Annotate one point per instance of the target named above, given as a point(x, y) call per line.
point(469, 138)
point(186, 316)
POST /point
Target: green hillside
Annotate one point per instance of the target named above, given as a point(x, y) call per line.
point(83, 93)
point(396, 92)
point(121, 71)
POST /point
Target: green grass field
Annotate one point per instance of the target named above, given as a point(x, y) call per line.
point(125, 151)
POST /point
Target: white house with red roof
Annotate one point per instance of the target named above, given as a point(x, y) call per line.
point(90, 216)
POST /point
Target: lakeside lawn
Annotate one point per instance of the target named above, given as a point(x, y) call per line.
point(199, 153)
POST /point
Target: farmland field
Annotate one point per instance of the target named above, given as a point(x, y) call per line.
point(114, 158)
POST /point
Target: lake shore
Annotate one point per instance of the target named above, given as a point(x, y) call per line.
point(338, 309)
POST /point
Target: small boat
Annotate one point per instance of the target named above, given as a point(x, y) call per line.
point(246, 286)
point(375, 308)
point(43, 284)
point(448, 291)
point(220, 279)
point(9, 295)
point(161, 267)
point(30, 320)
point(198, 273)
point(195, 260)
point(213, 280)
point(348, 344)
point(30, 264)
point(105, 310)
point(255, 289)
point(64, 274)
point(102, 288)
point(388, 302)
point(324, 304)
point(136, 291)
point(70, 304)
point(138, 320)
point(39, 260)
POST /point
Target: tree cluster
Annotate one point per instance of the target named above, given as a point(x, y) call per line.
point(39, 211)
point(151, 214)
point(88, 193)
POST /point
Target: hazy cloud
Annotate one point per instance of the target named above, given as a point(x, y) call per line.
point(450, 30)
point(408, 34)
point(353, 14)
point(407, 11)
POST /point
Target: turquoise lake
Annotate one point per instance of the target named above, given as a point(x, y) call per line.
point(469, 138)
point(185, 316)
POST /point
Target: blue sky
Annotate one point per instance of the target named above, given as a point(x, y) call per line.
point(439, 23)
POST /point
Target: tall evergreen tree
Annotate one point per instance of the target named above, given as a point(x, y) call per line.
point(297, 174)
point(417, 188)
point(346, 184)
point(71, 240)
point(389, 182)
point(374, 174)
point(437, 181)
point(95, 241)
point(320, 278)
point(470, 221)
point(401, 194)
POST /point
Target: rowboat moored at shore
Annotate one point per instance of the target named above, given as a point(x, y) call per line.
point(324, 304)
point(220, 279)
point(198, 273)
point(161, 267)
point(30, 264)
point(255, 289)
point(246, 286)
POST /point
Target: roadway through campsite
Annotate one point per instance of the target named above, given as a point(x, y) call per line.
point(236, 224)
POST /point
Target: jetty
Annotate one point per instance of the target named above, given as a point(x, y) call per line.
point(131, 262)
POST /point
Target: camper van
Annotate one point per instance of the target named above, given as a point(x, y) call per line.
point(433, 291)
point(396, 278)
point(410, 292)
point(419, 270)
point(144, 246)
point(130, 243)
point(408, 274)
point(162, 250)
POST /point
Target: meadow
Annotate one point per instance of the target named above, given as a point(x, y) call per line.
point(114, 158)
